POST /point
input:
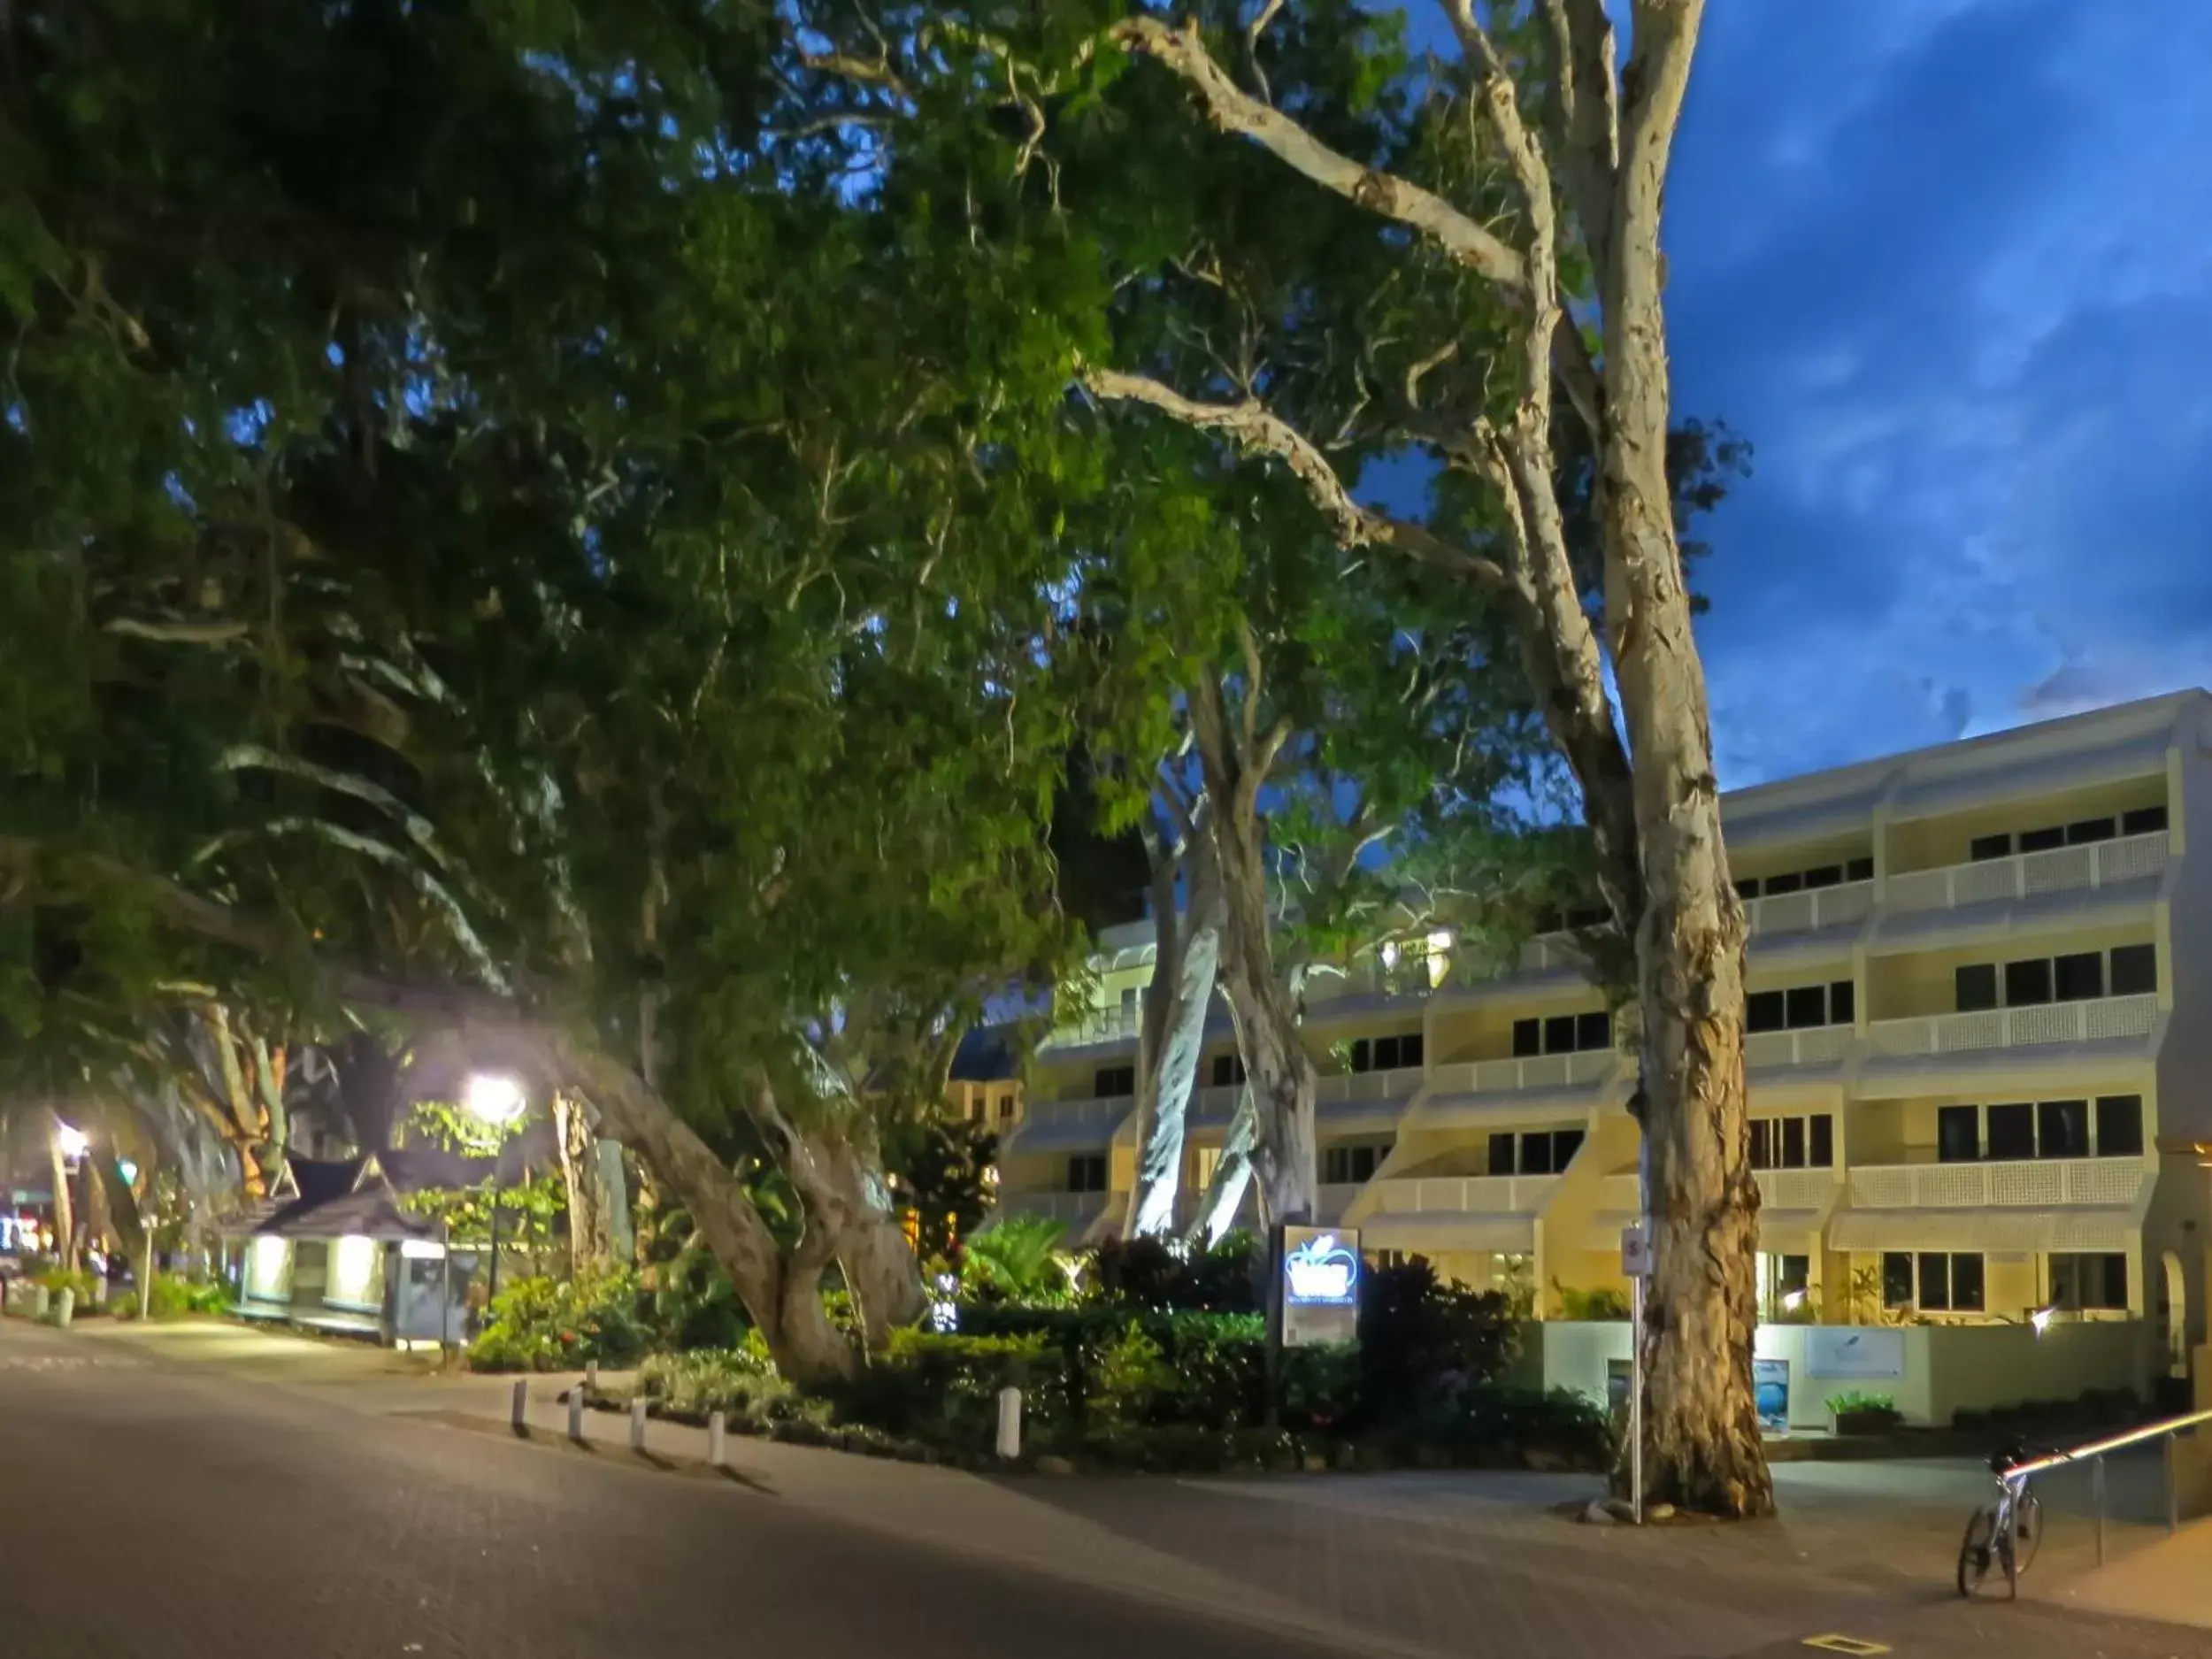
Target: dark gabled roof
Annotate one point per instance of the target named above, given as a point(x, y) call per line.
point(986, 1055)
point(373, 1212)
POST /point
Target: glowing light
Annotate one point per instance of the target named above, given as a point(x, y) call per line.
point(422, 1250)
point(1321, 1269)
point(128, 1171)
point(495, 1098)
point(1072, 1266)
point(2041, 1319)
point(1439, 956)
point(1390, 954)
point(1793, 1300)
point(71, 1140)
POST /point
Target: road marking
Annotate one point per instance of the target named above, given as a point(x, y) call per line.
point(1833, 1643)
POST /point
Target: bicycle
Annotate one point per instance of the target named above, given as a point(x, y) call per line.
point(2009, 1530)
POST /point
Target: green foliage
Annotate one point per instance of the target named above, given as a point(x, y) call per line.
point(1128, 1377)
point(1016, 1259)
point(693, 1303)
point(558, 1323)
point(936, 1165)
point(1600, 1305)
point(1222, 1277)
point(532, 1213)
point(174, 1298)
point(1858, 1402)
point(739, 1381)
point(1419, 1334)
point(944, 1388)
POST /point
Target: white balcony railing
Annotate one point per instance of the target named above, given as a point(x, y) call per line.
point(1545, 1071)
point(1397, 1084)
point(1823, 1045)
point(1411, 975)
point(1463, 1195)
point(2042, 1183)
point(1075, 1209)
point(1091, 1025)
point(1101, 1112)
point(1550, 953)
point(2024, 875)
point(1798, 1189)
point(2107, 1017)
point(1843, 905)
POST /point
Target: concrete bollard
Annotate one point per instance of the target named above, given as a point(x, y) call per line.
point(1010, 1423)
point(42, 1299)
point(591, 1373)
point(637, 1424)
point(718, 1440)
point(518, 1414)
point(576, 1415)
point(64, 1305)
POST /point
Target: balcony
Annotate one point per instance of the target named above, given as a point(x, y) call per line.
point(1052, 1125)
point(1339, 1087)
point(1531, 1071)
point(2027, 1184)
point(1818, 1045)
point(2029, 875)
point(1462, 1195)
point(1092, 1024)
point(1410, 976)
point(1809, 910)
point(2099, 1020)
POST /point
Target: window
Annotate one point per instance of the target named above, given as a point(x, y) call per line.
point(1859, 869)
point(1114, 1079)
point(2145, 820)
point(1793, 1143)
point(1975, 986)
point(1502, 1155)
point(1538, 1152)
point(1896, 1279)
point(2134, 970)
point(2041, 841)
point(1228, 1070)
point(1536, 1156)
point(975, 1110)
point(1343, 1165)
point(2012, 1131)
point(1005, 1107)
point(2091, 829)
point(1748, 888)
point(1800, 1007)
point(2082, 1281)
point(2028, 983)
point(1763, 1010)
point(1560, 1034)
point(2061, 1129)
point(1949, 1283)
point(1086, 1173)
point(1986, 847)
point(1785, 884)
point(1958, 1135)
point(1843, 1003)
point(2119, 1126)
point(1825, 876)
point(2079, 977)
point(1806, 1005)
point(1387, 1053)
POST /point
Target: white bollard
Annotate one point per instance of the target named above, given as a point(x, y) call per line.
point(518, 1414)
point(576, 1415)
point(1010, 1423)
point(65, 1304)
point(591, 1373)
point(637, 1424)
point(718, 1440)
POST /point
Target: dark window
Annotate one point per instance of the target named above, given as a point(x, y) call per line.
point(1564, 1144)
point(1409, 1048)
point(2028, 983)
point(1989, 846)
point(1966, 1284)
point(1975, 986)
point(1386, 1054)
point(1748, 888)
point(1086, 1173)
point(975, 1111)
point(1796, 1274)
point(1502, 1155)
point(1559, 1034)
point(2061, 1129)
point(2134, 970)
point(2079, 976)
point(1362, 1054)
point(1761, 1144)
point(1785, 884)
point(1005, 1106)
point(1228, 1070)
point(2090, 829)
point(1860, 870)
point(1342, 1165)
point(1536, 1155)
point(1528, 1038)
point(2041, 841)
point(2145, 820)
point(1958, 1134)
point(1825, 876)
point(1763, 1011)
point(1593, 1031)
point(1821, 1154)
point(2099, 1281)
point(1843, 1003)
point(1114, 1079)
point(1793, 1143)
point(1807, 1005)
point(1935, 1281)
point(2120, 1125)
point(1896, 1279)
point(2012, 1132)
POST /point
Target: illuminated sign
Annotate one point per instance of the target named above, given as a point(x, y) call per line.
point(1320, 1286)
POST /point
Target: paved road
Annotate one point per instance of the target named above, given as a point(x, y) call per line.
point(150, 1507)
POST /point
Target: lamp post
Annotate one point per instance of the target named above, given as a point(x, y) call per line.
point(495, 1100)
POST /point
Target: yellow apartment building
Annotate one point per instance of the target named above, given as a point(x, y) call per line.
point(1979, 1016)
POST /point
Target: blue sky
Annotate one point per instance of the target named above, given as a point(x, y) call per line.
point(1948, 264)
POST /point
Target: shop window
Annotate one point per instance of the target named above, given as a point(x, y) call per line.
point(1950, 1283)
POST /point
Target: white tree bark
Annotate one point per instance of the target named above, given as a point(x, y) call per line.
point(1186, 960)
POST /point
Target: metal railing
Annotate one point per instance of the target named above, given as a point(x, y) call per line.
point(2025, 875)
point(2094, 1454)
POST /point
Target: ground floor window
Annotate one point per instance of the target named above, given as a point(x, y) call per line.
point(1784, 1285)
point(1933, 1281)
point(2097, 1282)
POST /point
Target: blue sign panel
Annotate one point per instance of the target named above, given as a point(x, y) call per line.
point(1321, 1275)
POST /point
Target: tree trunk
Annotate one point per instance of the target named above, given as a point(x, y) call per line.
point(1232, 1174)
point(590, 1224)
point(1186, 960)
point(880, 1266)
point(64, 1208)
point(614, 1186)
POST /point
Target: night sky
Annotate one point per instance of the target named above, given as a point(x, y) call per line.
point(1948, 265)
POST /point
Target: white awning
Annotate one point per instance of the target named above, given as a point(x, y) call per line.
point(1436, 1232)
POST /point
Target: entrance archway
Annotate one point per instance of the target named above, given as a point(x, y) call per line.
point(2173, 1315)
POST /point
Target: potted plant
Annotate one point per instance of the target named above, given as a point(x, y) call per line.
point(1856, 1413)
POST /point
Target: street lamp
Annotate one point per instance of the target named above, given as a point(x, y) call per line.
point(72, 1140)
point(495, 1100)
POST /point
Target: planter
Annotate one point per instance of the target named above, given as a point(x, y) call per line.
point(1880, 1420)
point(64, 1305)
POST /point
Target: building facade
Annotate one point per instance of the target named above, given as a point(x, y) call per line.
point(1979, 997)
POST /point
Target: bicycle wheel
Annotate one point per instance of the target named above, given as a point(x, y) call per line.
point(1976, 1555)
point(2027, 1529)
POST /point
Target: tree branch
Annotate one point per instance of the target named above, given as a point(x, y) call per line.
point(178, 632)
point(1587, 137)
point(1236, 110)
point(1258, 430)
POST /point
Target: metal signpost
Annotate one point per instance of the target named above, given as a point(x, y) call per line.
point(1636, 1264)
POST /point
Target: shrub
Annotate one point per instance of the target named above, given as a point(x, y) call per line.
point(736, 1380)
point(1593, 1305)
point(1853, 1400)
point(175, 1298)
point(1128, 1379)
point(1418, 1334)
point(1016, 1259)
point(944, 1388)
point(554, 1324)
point(1150, 1274)
point(1486, 1425)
